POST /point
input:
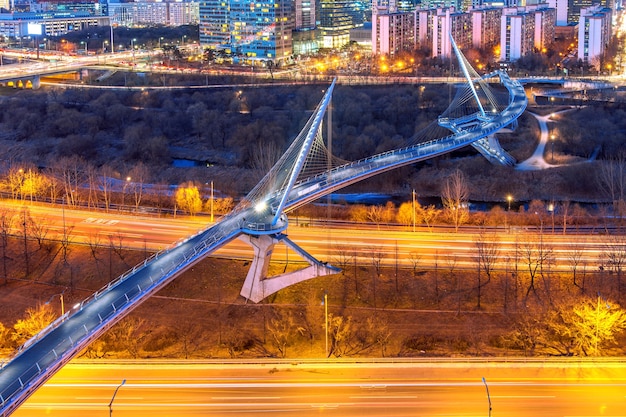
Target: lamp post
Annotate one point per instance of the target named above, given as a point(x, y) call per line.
point(509, 198)
point(488, 396)
point(552, 137)
point(113, 398)
point(414, 211)
point(60, 295)
point(598, 322)
point(124, 192)
point(211, 201)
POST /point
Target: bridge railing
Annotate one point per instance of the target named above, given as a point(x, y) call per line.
point(334, 176)
point(116, 306)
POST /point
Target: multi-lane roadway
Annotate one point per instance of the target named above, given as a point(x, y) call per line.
point(454, 388)
point(429, 248)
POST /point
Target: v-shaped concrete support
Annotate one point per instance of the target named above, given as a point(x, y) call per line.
point(258, 285)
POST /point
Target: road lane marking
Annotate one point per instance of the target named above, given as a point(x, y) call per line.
point(394, 397)
point(523, 396)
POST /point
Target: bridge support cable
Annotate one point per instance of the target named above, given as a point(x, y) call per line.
point(463, 66)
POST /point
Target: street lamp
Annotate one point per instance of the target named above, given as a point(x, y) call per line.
point(113, 398)
point(160, 39)
point(552, 138)
point(60, 298)
point(488, 396)
point(509, 198)
point(124, 191)
point(414, 211)
point(211, 201)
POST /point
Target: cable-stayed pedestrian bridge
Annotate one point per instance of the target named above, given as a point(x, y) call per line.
point(304, 173)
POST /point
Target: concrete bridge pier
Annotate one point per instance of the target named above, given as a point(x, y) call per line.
point(258, 285)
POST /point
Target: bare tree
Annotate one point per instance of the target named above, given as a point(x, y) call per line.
point(24, 222)
point(190, 335)
point(130, 335)
point(535, 254)
point(265, 156)
point(454, 196)
point(6, 223)
point(376, 254)
point(139, 176)
point(375, 214)
point(575, 258)
point(487, 255)
point(415, 258)
point(93, 181)
point(282, 330)
point(343, 257)
point(66, 240)
point(72, 174)
point(613, 257)
point(38, 229)
point(611, 177)
point(106, 185)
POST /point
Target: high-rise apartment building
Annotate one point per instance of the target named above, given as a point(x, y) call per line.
point(424, 27)
point(140, 13)
point(594, 33)
point(486, 27)
point(517, 33)
point(545, 21)
point(393, 32)
point(561, 7)
point(448, 22)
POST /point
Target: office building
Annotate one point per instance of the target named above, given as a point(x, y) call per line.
point(335, 23)
point(21, 24)
point(252, 31)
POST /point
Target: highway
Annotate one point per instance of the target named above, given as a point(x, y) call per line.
point(454, 388)
point(440, 247)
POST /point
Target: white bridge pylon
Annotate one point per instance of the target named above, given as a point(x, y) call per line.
point(266, 203)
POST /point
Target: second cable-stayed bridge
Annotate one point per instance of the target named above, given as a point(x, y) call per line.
point(303, 174)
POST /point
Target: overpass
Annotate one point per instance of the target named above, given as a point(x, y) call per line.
point(305, 172)
point(28, 75)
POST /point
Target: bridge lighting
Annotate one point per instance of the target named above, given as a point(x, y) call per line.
point(260, 207)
